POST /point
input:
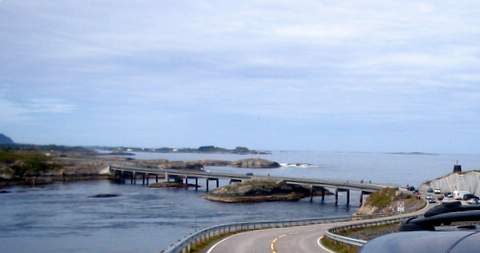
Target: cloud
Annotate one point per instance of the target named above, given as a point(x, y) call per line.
point(373, 60)
point(48, 105)
point(28, 110)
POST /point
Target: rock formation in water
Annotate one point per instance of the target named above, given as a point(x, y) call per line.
point(258, 191)
point(255, 163)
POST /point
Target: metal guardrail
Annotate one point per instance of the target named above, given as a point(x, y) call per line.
point(332, 233)
point(186, 244)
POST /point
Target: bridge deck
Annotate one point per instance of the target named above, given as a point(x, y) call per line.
point(347, 185)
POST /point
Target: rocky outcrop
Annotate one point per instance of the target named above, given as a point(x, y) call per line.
point(174, 184)
point(200, 164)
point(255, 163)
point(462, 181)
point(257, 191)
point(389, 201)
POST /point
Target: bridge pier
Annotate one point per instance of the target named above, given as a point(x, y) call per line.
point(312, 191)
point(361, 196)
point(342, 190)
point(118, 177)
point(348, 198)
point(196, 182)
point(211, 179)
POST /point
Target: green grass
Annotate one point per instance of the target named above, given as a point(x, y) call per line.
point(338, 246)
point(382, 198)
point(24, 163)
point(369, 233)
point(203, 245)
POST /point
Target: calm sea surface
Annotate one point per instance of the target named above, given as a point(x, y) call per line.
point(62, 217)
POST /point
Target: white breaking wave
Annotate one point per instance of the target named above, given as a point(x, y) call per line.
point(300, 165)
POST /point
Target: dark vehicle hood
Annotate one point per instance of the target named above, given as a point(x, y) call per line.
point(425, 242)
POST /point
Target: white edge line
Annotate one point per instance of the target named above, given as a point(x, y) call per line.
point(321, 245)
point(221, 241)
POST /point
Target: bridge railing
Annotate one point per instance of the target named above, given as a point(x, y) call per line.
point(348, 184)
point(188, 243)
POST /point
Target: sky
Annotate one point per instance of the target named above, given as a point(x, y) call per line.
point(346, 75)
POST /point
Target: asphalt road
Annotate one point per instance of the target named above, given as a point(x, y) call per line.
point(288, 240)
point(301, 239)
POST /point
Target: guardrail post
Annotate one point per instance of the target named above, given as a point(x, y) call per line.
point(348, 198)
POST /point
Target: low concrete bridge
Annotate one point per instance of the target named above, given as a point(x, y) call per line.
point(131, 173)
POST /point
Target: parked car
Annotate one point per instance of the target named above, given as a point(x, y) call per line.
point(459, 194)
point(430, 199)
point(469, 196)
point(437, 191)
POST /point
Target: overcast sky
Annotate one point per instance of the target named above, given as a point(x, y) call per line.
point(307, 75)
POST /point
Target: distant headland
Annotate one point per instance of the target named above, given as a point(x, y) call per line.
point(5, 140)
point(202, 149)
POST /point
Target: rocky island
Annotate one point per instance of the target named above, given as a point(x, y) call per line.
point(258, 191)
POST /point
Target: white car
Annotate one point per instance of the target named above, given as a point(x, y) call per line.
point(437, 191)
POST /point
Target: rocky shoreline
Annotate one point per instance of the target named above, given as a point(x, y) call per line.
point(37, 168)
point(252, 199)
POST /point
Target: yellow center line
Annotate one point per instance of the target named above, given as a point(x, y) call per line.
point(274, 241)
point(272, 245)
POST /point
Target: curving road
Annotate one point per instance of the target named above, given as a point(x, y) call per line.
point(290, 240)
point(301, 239)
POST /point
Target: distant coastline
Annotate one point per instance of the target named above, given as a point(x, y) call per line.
point(202, 149)
point(410, 153)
